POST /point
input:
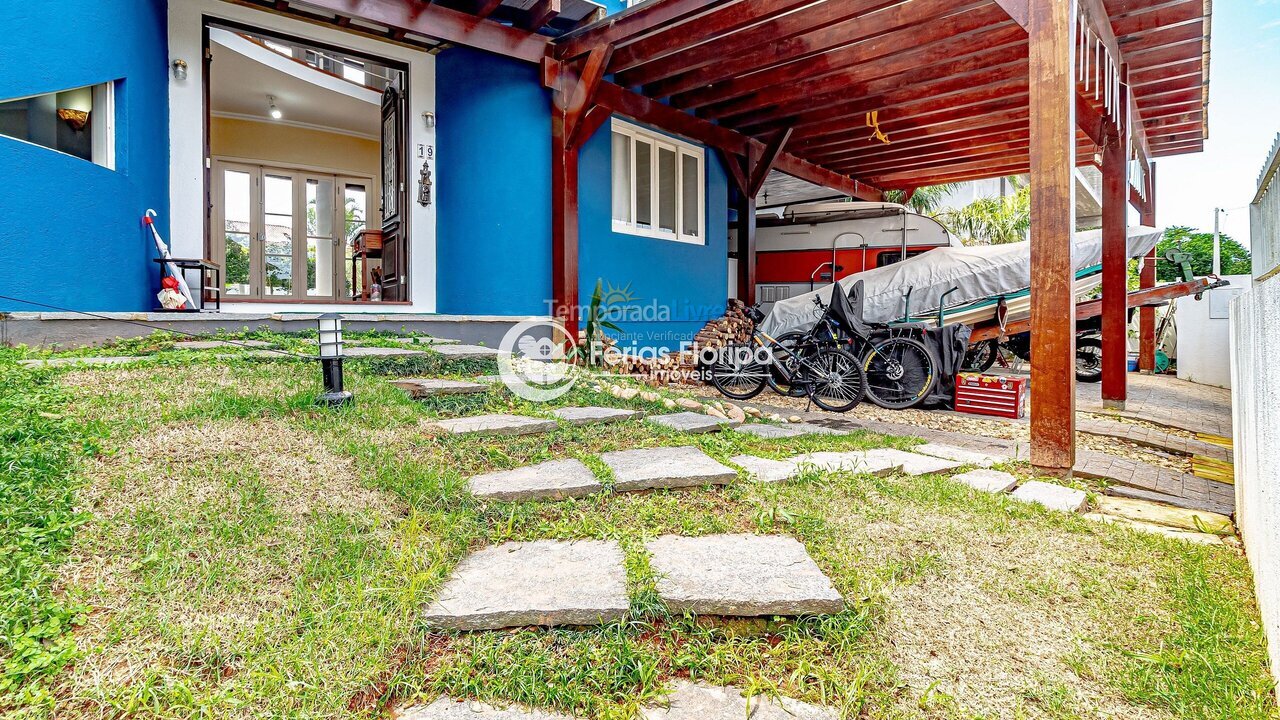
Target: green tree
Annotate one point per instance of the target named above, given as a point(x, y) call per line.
point(1199, 245)
point(991, 220)
point(926, 200)
point(237, 270)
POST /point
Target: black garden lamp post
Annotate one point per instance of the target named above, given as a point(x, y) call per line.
point(331, 361)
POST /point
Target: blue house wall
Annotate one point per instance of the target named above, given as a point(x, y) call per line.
point(493, 233)
point(493, 152)
point(70, 231)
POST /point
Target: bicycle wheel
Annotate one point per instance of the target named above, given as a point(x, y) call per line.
point(784, 366)
point(900, 372)
point(835, 379)
point(737, 374)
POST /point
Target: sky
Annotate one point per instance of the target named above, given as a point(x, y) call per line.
point(1244, 117)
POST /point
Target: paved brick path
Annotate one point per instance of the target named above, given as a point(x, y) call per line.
point(1156, 483)
point(1168, 401)
point(1151, 437)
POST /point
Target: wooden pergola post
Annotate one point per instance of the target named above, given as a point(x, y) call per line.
point(748, 175)
point(1115, 265)
point(1050, 27)
point(1147, 279)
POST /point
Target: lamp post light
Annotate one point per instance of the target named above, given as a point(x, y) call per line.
point(331, 361)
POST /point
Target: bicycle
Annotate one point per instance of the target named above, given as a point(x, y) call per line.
point(829, 376)
point(900, 370)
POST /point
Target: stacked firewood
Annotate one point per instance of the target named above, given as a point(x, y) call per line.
point(680, 368)
point(732, 327)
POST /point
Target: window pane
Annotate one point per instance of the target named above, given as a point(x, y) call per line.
point(644, 183)
point(320, 240)
point(690, 185)
point(236, 198)
point(355, 200)
point(61, 121)
point(278, 206)
point(621, 177)
point(667, 189)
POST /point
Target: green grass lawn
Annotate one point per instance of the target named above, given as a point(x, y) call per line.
point(191, 537)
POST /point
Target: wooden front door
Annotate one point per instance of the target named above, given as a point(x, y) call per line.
point(394, 280)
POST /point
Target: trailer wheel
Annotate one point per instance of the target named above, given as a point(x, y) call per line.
point(1089, 360)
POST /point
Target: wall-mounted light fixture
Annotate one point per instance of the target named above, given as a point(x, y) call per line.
point(429, 119)
point(179, 70)
point(271, 107)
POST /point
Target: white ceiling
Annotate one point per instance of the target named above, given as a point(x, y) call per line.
point(243, 74)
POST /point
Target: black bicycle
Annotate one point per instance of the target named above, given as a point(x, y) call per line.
point(900, 369)
point(829, 375)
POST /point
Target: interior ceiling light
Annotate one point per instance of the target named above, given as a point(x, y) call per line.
point(275, 111)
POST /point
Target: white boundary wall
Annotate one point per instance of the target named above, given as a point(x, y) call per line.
point(1255, 398)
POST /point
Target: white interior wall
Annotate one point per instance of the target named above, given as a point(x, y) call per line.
point(1255, 399)
point(186, 142)
point(1204, 334)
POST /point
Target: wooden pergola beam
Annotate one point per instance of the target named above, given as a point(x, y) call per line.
point(541, 13)
point(779, 33)
point(874, 44)
point(630, 25)
point(898, 74)
point(645, 109)
point(443, 24)
point(724, 19)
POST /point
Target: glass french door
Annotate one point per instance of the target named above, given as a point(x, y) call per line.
point(286, 234)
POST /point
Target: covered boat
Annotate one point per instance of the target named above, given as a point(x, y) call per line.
point(967, 283)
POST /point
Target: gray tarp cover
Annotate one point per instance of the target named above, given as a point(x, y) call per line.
point(979, 272)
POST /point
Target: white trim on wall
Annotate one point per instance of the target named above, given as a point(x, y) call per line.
point(186, 140)
point(658, 143)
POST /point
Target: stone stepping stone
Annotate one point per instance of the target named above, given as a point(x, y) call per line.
point(423, 340)
point(858, 461)
point(65, 361)
point(765, 470)
point(740, 575)
point(552, 480)
point(594, 415)
point(960, 455)
point(691, 422)
point(545, 582)
point(215, 344)
point(764, 430)
point(913, 463)
point(449, 709)
point(768, 470)
point(365, 351)
point(695, 701)
point(494, 425)
point(430, 387)
point(665, 467)
point(467, 352)
point(992, 481)
point(1054, 497)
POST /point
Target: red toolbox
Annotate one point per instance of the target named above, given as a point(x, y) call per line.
point(991, 395)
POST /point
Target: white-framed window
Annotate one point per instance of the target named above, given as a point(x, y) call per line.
point(80, 122)
point(658, 185)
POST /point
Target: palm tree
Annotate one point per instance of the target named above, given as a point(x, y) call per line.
point(926, 200)
point(991, 221)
